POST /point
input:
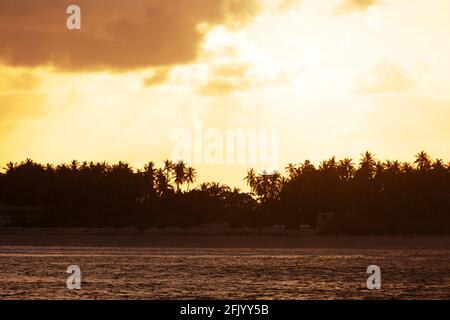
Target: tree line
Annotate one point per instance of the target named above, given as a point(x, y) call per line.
point(379, 197)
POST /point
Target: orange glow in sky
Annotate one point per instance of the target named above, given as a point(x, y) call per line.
point(333, 77)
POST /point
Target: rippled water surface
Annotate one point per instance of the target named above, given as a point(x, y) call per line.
point(180, 273)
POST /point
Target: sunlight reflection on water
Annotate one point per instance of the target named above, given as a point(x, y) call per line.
point(183, 273)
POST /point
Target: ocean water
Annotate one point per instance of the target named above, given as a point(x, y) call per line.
point(180, 273)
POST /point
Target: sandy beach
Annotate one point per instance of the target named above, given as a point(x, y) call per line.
point(91, 238)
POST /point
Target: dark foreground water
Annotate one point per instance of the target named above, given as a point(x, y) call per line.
point(180, 273)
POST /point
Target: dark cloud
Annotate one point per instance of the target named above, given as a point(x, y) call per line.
point(120, 35)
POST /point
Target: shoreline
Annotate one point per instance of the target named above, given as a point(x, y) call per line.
point(64, 238)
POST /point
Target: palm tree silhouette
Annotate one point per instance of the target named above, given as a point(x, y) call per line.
point(346, 169)
point(423, 161)
point(250, 178)
point(438, 165)
point(191, 175)
point(163, 183)
point(168, 169)
point(388, 196)
point(367, 165)
point(179, 170)
point(293, 170)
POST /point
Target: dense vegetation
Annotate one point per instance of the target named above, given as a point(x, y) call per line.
point(385, 197)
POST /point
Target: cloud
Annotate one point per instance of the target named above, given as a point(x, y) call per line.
point(159, 76)
point(18, 80)
point(223, 87)
point(227, 78)
point(384, 78)
point(345, 6)
point(285, 5)
point(118, 35)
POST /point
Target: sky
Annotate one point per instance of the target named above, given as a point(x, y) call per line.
point(152, 80)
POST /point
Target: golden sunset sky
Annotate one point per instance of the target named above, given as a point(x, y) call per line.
point(335, 77)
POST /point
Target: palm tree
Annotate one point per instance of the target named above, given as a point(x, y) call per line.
point(168, 169)
point(49, 168)
point(379, 168)
point(10, 167)
point(265, 186)
point(250, 178)
point(215, 189)
point(179, 169)
point(276, 183)
point(149, 175)
point(307, 166)
point(406, 167)
point(438, 165)
point(346, 169)
point(367, 165)
point(328, 165)
point(293, 171)
point(368, 159)
point(150, 170)
point(394, 167)
point(191, 175)
point(74, 165)
point(204, 186)
point(423, 161)
point(162, 183)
